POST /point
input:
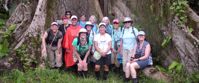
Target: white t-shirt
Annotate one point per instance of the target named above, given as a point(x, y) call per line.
point(102, 41)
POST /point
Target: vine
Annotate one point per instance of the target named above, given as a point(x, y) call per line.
point(179, 9)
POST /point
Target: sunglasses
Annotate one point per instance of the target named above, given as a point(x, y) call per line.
point(115, 23)
point(68, 14)
point(128, 22)
point(74, 19)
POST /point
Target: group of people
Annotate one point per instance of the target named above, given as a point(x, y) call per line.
point(80, 42)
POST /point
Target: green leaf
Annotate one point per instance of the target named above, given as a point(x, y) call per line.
point(166, 41)
point(5, 46)
point(179, 67)
point(190, 30)
point(12, 27)
point(2, 22)
point(160, 68)
point(173, 65)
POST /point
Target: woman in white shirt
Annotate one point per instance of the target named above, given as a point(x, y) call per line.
point(102, 42)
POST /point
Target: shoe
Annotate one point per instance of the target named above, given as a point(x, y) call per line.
point(126, 80)
point(97, 75)
point(135, 80)
point(80, 73)
point(84, 73)
point(105, 75)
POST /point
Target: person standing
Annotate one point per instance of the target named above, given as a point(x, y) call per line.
point(71, 34)
point(102, 42)
point(51, 41)
point(68, 15)
point(89, 28)
point(63, 27)
point(93, 20)
point(128, 41)
point(116, 43)
point(82, 21)
point(109, 27)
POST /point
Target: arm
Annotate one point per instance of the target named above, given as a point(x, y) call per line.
point(97, 48)
point(76, 53)
point(87, 53)
point(147, 52)
point(146, 55)
point(109, 47)
point(121, 45)
point(133, 51)
point(59, 45)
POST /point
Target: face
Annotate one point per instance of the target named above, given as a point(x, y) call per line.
point(141, 37)
point(102, 29)
point(92, 19)
point(68, 15)
point(65, 21)
point(83, 38)
point(106, 21)
point(127, 24)
point(116, 25)
point(83, 18)
point(74, 21)
point(54, 28)
point(88, 28)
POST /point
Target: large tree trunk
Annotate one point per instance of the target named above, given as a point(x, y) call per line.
point(152, 16)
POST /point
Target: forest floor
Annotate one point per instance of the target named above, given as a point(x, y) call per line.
point(60, 76)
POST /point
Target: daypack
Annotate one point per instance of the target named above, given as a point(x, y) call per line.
point(122, 29)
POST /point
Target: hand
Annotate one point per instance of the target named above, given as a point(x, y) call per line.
point(134, 60)
point(59, 50)
point(120, 50)
point(101, 53)
point(84, 61)
point(80, 61)
point(112, 50)
point(104, 54)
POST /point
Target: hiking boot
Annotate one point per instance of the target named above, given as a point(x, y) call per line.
point(97, 75)
point(80, 74)
point(105, 75)
point(135, 80)
point(84, 73)
point(126, 80)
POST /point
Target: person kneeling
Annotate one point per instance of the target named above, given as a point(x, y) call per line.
point(82, 47)
point(141, 59)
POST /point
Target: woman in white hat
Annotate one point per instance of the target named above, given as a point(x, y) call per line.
point(51, 41)
point(128, 41)
point(82, 47)
point(141, 59)
point(89, 28)
point(103, 43)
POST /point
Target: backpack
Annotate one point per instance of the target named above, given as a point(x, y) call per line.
point(122, 29)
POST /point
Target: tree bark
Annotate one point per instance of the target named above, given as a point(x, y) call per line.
point(149, 15)
point(37, 24)
point(185, 44)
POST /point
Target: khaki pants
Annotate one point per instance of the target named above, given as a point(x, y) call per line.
point(126, 57)
point(54, 57)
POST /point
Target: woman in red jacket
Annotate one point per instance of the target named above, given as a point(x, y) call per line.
point(71, 34)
